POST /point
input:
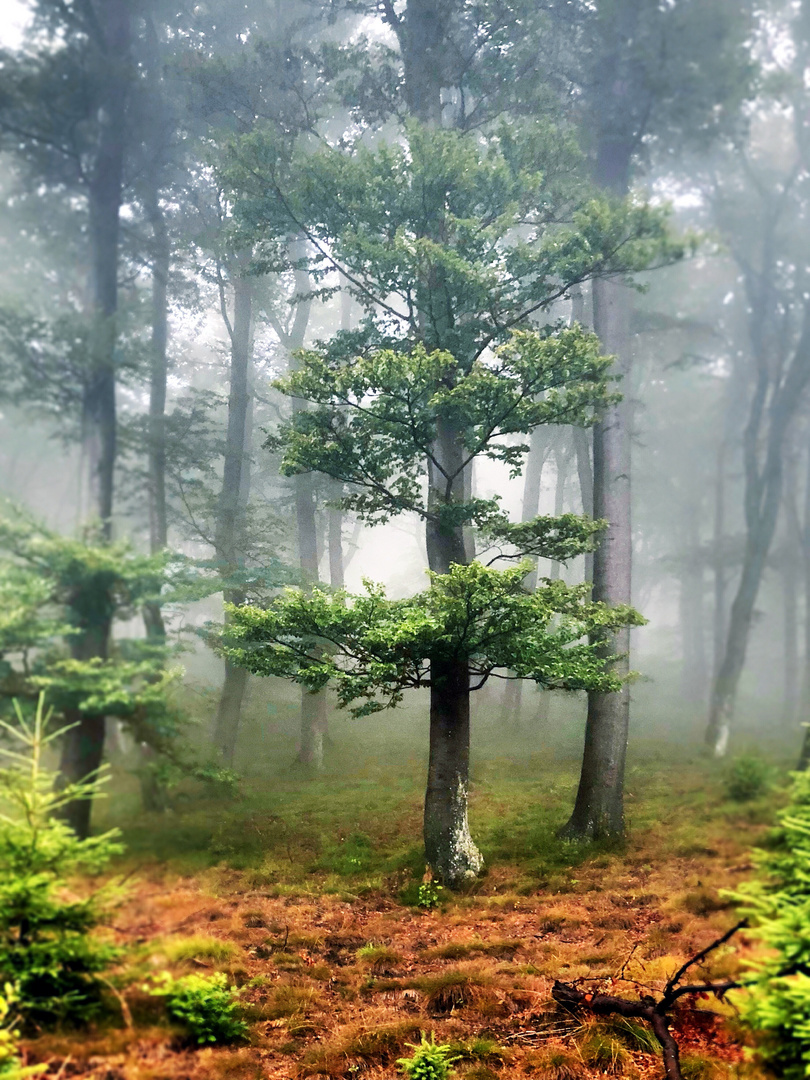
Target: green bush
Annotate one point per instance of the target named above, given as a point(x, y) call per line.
point(747, 779)
point(204, 1004)
point(429, 1060)
point(46, 952)
point(778, 1004)
point(429, 895)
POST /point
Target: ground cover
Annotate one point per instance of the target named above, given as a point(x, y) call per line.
point(305, 895)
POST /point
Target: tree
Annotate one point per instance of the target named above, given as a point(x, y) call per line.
point(451, 243)
point(642, 85)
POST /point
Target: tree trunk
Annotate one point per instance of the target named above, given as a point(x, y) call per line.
point(532, 485)
point(449, 847)
point(83, 746)
point(693, 647)
point(229, 539)
point(763, 493)
point(599, 807)
point(158, 375)
point(561, 462)
point(719, 562)
point(791, 572)
point(805, 541)
point(336, 564)
point(582, 449)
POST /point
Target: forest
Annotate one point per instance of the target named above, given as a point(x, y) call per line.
point(404, 539)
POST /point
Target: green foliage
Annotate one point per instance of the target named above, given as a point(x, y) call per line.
point(747, 778)
point(429, 895)
point(10, 1065)
point(386, 646)
point(45, 947)
point(375, 417)
point(778, 1005)
point(204, 1004)
point(429, 1061)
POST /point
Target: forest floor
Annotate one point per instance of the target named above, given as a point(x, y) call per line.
point(306, 896)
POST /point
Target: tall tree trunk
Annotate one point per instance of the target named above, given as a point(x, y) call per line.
point(83, 746)
point(763, 493)
point(229, 539)
point(599, 807)
point(314, 707)
point(449, 847)
point(694, 675)
point(532, 486)
point(791, 572)
point(561, 462)
point(158, 377)
point(805, 539)
point(719, 567)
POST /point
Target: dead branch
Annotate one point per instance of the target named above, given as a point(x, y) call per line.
point(656, 1013)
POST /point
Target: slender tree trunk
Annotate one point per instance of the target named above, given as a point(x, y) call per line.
point(763, 494)
point(158, 377)
point(694, 675)
point(561, 461)
point(532, 486)
point(791, 570)
point(314, 707)
point(599, 807)
point(229, 539)
point(582, 449)
point(83, 746)
point(805, 539)
point(336, 565)
point(719, 562)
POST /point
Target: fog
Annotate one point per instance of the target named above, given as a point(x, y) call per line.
point(167, 248)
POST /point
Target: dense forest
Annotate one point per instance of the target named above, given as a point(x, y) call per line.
point(404, 539)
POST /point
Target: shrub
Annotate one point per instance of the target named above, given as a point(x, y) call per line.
point(430, 1061)
point(45, 950)
point(204, 1004)
point(429, 895)
point(777, 1005)
point(747, 779)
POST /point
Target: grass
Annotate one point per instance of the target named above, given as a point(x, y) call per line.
point(306, 893)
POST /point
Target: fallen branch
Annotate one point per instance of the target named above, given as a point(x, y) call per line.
point(655, 1012)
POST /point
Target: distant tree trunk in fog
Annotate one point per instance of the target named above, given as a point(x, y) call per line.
point(582, 437)
point(772, 409)
point(83, 746)
point(719, 558)
point(153, 796)
point(805, 540)
point(694, 671)
point(158, 375)
point(532, 485)
point(233, 500)
point(314, 711)
point(561, 463)
point(791, 573)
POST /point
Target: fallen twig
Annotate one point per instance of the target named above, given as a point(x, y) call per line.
point(656, 1013)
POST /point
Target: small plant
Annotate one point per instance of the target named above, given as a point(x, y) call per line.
point(429, 895)
point(430, 1061)
point(747, 779)
point(45, 948)
point(10, 1066)
point(204, 1004)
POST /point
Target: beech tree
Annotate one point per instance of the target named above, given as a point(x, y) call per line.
point(452, 243)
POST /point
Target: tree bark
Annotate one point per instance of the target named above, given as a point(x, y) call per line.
point(158, 377)
point(229, 539)
point(791, 572)
point(532, 486)
point(694, 675)
point(83, 746)
point(599, 807)
point(763, 493)
point(449, 847)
